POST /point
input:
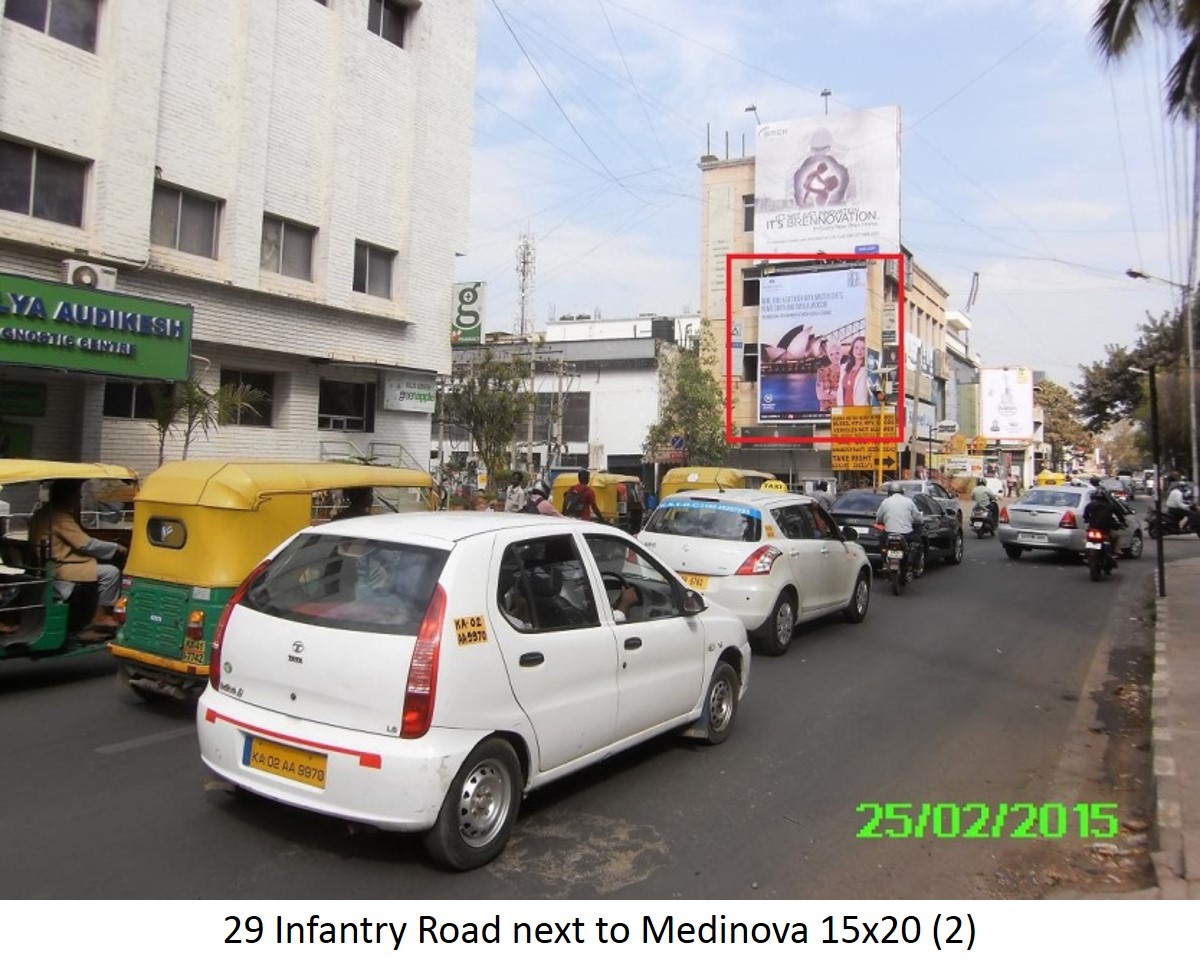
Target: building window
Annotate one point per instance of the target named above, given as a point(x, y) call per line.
point(132, 400)
point(373, 270)
point(185, 221)
point(260, 414)
point(389, 19)
point(286, 248)
point(71, 21)
point(750, 289)
point(747, 212)
point(346, 406)
point(41, 184)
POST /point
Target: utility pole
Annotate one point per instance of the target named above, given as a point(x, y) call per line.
point(526, 273)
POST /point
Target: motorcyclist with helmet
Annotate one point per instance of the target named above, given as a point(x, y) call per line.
point(1105, 514)
point(982, 496)
point(900, 515)
point(539, 500)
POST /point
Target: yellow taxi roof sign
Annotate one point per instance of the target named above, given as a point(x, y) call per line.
point(776, 485)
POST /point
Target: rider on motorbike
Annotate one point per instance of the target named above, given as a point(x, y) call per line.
point(900, 515)
point(1177, 511)
point(982, 496)
point(1104, 514)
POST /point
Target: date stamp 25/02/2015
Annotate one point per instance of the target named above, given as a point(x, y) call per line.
point(988, 821)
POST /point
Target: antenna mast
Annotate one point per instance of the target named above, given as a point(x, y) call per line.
point(526, 273)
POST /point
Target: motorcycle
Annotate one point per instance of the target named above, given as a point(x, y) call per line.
point(1170, 526)
point(1099, 550)
point(983, 521)
point(902, 561)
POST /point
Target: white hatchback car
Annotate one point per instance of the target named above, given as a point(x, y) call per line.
point(419, 672)
point(774, 559)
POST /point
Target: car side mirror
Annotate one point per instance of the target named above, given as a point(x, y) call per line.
point(693, 603)
point(849, 533)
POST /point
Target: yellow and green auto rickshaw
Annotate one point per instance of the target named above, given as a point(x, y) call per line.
point(711, 478)
point(620, 498)
point(35, 621)
point(199, 528)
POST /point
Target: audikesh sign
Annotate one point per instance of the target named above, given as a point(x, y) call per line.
point(51, 325)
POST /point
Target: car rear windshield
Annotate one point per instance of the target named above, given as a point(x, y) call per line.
point(858, 503)
point(349, 583)
point(1051, 498)
point(706, 519)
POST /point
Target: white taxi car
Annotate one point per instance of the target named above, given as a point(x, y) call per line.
point(419, 672)
point(774, 559)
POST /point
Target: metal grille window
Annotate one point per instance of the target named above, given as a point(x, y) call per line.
point(185, 221)
point(129, 400)
point(70, 21)
point(262, 381)
point(389, 19)
point(346, 406)
point(373, 270)
point(41, 184)
point(287, 248)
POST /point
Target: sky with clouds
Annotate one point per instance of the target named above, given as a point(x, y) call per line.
point(1024, 157)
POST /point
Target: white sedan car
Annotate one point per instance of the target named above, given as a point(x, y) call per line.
point(420, 672)
point(774, 559)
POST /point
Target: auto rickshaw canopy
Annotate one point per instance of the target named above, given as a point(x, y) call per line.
point(244, 485)
point(604, 484)
point(39, 470)
point(712, 478)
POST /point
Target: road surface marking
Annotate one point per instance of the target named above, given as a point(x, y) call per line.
point(137, 743)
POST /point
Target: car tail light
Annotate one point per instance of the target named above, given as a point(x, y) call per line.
point(760, 562)
point(119, 608)
point(214, 656)
point(1068, 520)
point(421, 689)
point(195, 625)
point(1003, 515)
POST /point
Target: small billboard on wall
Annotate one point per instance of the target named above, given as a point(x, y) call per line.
point(1006, 403)
point(466, 313)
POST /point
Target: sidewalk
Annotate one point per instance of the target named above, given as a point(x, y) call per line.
point(1175, 716)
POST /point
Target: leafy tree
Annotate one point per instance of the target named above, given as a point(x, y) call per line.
point(1061, 426)
point(1118, 24)
point(489, 397)
point(196, 410)
point(692, 405)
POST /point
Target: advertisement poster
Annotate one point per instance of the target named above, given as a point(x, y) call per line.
point(466, 313)
point(813, 353)
point(829, 183)
point(1006, 403)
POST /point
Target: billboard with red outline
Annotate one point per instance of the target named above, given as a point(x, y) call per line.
point(892, 438)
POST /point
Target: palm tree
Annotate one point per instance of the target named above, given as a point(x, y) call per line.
point(189, 406)
point(1117, 25)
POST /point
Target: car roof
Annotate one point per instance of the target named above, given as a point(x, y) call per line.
point(760, 498)
point(445, 528)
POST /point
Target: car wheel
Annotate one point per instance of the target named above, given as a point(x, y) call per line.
point(956, 555)
point(1136, 544)
point(480, 808)
point(720, 704)
point(780, 627)
point(1013, 551)
point(860, 599)
point(918, 568)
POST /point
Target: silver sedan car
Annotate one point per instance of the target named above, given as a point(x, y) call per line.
point(1051, 519)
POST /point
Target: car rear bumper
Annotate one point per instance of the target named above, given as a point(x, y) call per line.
point(387, 782)
point(749, 597)
point(1056, 539)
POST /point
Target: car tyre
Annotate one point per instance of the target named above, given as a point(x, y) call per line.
point(860, 599)
point(721, 704)
point(480, 809)
point(780, 627)
point(956, 552)
point(1013, 551)
point(1136, 545)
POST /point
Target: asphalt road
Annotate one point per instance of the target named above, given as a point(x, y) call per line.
point(963, 689)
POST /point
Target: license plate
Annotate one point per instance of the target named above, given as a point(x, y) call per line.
point(976, 521)
point(698, 582)
point(1032, 538)
point(298, 765)
point(895, 554)
point(193, 651)
point(1094, 544)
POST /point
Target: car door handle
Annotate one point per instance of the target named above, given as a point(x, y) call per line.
point(633, 643)
point(532, 659)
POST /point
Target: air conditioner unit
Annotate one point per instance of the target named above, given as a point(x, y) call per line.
point(89, 275)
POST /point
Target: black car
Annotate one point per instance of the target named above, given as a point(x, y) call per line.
point(941, 532)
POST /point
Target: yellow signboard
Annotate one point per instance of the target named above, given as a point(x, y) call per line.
point(854, 426)
point(855, 457)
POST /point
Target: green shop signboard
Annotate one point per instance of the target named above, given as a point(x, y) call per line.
point(51, 325)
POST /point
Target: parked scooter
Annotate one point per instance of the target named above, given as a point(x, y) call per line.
point(1098, 547)
point(1191, 523)
point(983, 521)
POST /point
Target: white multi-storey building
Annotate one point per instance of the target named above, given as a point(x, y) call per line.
point(294, 171)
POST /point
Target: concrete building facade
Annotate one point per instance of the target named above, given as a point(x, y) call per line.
point(295, 172)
